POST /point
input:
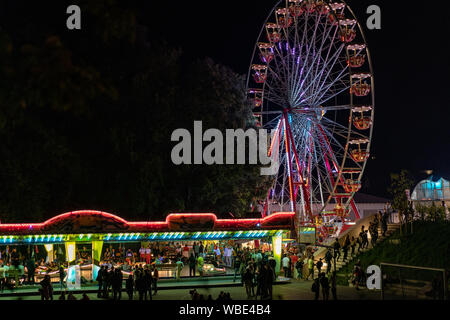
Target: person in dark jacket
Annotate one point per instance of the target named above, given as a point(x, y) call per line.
point(46, 288)
point(346, 247)
point(237, 267)
point(117, 284)
point(62, 275)
point(328, 258)
point(155, 279)
point(316, 288)
point(269, 279)
point(337, 249)
point(325, 286)
point(247, 278)
point(148, 282)
point(105, 280)
point(260, 282)
point(140, 285)
point(333, 285)
point(31, 267)
point(15, 258)
point(130, 287)
point(319, 265)
point(100, 281)
point(192, 264)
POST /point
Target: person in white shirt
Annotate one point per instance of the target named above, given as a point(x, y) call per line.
point(227, 255)
point(285, 264)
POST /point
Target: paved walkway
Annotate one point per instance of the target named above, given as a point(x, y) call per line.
point(163, 284)
point(293, 290)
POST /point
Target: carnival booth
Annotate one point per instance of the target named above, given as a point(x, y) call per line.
point(81, 238)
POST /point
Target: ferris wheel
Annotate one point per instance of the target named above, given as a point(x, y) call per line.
point(311, 82)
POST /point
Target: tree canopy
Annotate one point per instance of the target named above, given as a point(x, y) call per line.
point(86, 120)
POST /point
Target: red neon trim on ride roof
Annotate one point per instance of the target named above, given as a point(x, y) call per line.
point(156, 225)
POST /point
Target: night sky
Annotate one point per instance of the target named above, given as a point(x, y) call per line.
point(409, 54)
point(411, 66)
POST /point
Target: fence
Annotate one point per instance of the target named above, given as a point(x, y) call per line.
point(402, 282)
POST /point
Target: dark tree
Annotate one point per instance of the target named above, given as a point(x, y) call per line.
point(86, 119)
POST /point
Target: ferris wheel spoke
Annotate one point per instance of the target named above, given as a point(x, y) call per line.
point(308, 65)
point(298, 76)
point(318, 56)
point(320, 84)
point(326, 108)
point(323, 91)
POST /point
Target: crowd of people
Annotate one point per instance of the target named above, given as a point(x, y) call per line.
point(143, 281)
point(256, 268)
point(139, 267)
point(223, 296)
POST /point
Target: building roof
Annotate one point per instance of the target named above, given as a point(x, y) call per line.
point(367, 198)
point(92, 222)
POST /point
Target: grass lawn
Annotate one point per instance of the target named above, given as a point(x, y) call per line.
point(428, 246)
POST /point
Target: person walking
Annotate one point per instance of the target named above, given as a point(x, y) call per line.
point(325, 286)
point(31, 268)
point(310, 268)
point(148, 255)
point(345, 247)
point(100, 281)
point(110, 281)
point(319, 265)
point(117, 284)
point(155, 279)
point(140, 286)
point(179, 268)
point(285, 264)
point(374, 234)
point(357, 276)
point(201, 249)
point(46, 288)
point(269, 280)
point(148, 282)
point(62, 275)
point(333, 285)
point(353, 245)
point(366, 238)
point(328, 258)
point(260, 282)
point(294, 259)
point(299, 267)
point(192, 263)
point(362, 235)
point(248, 282)
point(105, 279)
point(337, 249)
point(316, 288)
point(141, 254)
point(358, 242)
point(200, 265)
point(196, 249)
point(236, 267)
point(129, 287)
point(384, 226)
